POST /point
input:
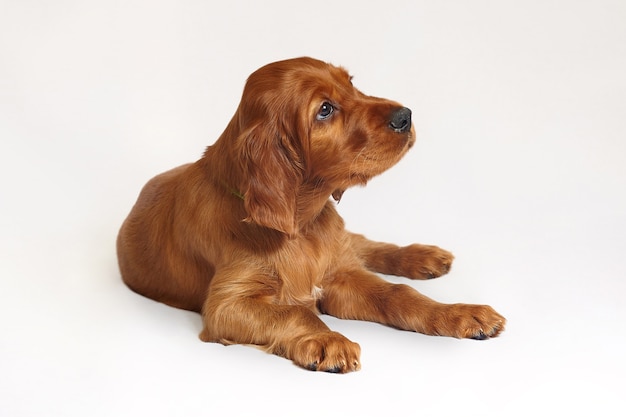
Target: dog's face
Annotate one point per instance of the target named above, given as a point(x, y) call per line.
point(301, 121)
point(353, 137)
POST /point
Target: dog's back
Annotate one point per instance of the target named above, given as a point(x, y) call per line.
point(148, 256)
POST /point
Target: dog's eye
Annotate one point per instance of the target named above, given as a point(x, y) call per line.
point(325, 111)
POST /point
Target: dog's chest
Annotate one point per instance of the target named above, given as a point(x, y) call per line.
point(301, 266)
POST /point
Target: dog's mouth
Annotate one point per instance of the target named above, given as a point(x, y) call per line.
point(412, 140)
point(390, 149)
point(365, 165)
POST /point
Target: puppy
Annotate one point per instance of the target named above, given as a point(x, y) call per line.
point(249, 237)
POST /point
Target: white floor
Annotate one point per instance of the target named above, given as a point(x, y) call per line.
point(520, 170)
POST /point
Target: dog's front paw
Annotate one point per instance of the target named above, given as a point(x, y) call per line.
point(327, 351)
point(467, 321)
point(424, 261)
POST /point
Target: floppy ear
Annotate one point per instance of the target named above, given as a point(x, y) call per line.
point(273, 175)
point(337, 194)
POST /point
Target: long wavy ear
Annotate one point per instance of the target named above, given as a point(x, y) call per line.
point(273, 174)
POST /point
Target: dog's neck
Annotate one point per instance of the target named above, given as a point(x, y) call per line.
point(311, 197)
point(232, 190)
point(311, 200)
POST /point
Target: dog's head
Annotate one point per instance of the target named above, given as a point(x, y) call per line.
point(301, 123)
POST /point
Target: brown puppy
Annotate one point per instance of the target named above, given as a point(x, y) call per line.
point(248, 236)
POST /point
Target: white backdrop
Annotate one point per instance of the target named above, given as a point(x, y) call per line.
point(519, 169)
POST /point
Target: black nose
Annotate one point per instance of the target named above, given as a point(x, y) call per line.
point(401, 120)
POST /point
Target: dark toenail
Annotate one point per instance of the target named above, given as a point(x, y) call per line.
point(335, 370)
point(312, 366)
point(480, 336)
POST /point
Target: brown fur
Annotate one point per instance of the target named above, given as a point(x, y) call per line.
point(248, 236)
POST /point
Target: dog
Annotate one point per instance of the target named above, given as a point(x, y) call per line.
point(248, 236)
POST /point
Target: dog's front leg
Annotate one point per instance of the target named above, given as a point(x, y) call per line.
point(362, 295)
point(414, 261)
point(242, 309)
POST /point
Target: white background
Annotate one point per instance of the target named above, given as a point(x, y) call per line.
point(519, 169)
